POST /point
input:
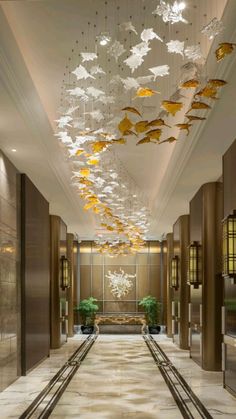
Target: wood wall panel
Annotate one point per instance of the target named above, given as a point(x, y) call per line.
point(206, 213)
point(35, 253)
point(169, 289)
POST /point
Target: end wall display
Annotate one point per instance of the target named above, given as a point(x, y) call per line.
point(120, 282)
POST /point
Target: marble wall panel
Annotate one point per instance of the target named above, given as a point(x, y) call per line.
point(9, 273)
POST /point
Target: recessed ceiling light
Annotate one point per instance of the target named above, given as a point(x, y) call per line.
point(13, 150)
point(104, 38)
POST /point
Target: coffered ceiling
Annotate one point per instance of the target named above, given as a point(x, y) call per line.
point(37, 52)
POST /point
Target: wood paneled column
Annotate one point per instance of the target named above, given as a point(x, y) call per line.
point(181, 295)
point(206, 300)
point(70, 290)
point(169, 290)
point(58, 295)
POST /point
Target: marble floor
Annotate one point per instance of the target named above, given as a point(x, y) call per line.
point(118, 379)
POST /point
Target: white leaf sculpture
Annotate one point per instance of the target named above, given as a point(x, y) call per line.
point(140, 49)
point(149, 34)
point(88, 56)
point(160, 71)
point(64, 137)
point(193, 52)
point(97, 115)
point(77, 91)
point(170, 13)
point(63, 121)
point(176, 47)
point(145, 79)
point(130, 83)
point(128, 26)
point(106, 99)
point(134, 61)
point(96, 93)
point(120, 283)
point(213, 28)
point(116, 80)
point(96, 69)
point(116, 50)
point(71, 110)
point(82, 73)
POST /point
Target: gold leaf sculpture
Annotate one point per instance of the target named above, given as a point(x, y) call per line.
point(154, 134)
point(129, 132)
point(208, 91)
point(85, 172)
point(119, 141)
point(86, 182)
point(216, 82)
point(99, 146)
point(141, 126)
point(88, 206)
point(93, 161)
point(79, 152)
point(133, 110)
point(224, 49)
point(168, 140)
point(125, 124)
point(171, 107)
point(195, 118)
point(145, 92)
point(158, 123)
point(190, 84)
point(184, 126)
point(144, 140)
point(198, 105)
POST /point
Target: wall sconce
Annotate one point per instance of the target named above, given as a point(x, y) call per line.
point(174, 272)
point(194, 266)
point(64, 272)
point(229, 246)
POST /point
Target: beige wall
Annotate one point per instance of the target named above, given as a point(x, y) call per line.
point(148, 266)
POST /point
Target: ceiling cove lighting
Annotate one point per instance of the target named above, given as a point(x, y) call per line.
point(174, 273)
point(194, 267)
point(229, 246)
point(64, 272)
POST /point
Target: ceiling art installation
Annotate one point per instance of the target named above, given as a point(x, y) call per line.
point(112, 94)
point(120, 283)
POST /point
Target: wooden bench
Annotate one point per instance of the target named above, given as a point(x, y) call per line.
point(120, 323)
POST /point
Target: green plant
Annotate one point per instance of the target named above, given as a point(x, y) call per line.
point(152, 308)
point(87, 309)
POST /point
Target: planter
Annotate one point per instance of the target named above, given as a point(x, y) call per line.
point(154, 330)
point(87, 330)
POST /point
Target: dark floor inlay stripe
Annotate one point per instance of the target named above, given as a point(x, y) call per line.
point(43, 405)
point(188, 403)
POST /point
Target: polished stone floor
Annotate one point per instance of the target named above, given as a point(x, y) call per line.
point(118, 379)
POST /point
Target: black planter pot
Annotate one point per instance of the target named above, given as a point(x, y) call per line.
point(154, 330)
point(87, 330)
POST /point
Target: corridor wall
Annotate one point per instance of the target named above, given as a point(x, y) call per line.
point(206, 210)
point(148, 265)
point(35, 276)
point(229, 319)
point(9, 273)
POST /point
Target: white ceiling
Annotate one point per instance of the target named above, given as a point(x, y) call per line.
point(36, 40)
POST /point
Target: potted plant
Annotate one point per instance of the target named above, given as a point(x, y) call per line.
point(87, 308)
point(152, 308)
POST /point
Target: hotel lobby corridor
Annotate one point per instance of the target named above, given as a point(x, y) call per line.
point(118, 379)
point(117, 209)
